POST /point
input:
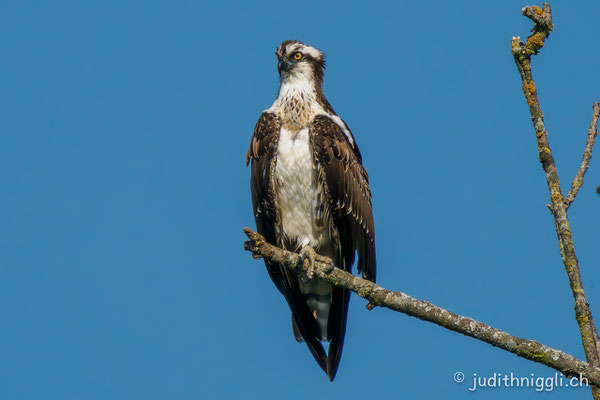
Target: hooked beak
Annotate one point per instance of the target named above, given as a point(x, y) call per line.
point(282, 65)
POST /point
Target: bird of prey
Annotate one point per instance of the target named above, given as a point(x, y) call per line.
point(310, 194)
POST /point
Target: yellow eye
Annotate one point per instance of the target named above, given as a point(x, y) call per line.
point(297, 56)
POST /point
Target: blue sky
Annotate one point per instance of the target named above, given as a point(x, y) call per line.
point(124, 193)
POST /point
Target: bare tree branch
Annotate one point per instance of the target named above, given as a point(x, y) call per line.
point(401, 302)
point(587, 154)
point(542, 19)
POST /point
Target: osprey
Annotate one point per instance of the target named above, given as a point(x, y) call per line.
point(310, 194)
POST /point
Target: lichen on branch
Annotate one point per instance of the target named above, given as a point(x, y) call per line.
point(426, 311)
point(522, 53)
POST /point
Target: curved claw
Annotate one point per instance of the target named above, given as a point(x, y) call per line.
point(309, 255)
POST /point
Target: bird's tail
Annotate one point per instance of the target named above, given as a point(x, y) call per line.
point(329, 308)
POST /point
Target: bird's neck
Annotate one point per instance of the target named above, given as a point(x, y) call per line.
point(298, 101)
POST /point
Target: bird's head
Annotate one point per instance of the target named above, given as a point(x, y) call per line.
point(298, 60)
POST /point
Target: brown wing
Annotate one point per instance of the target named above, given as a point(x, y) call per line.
point(347, 184)
point(263, 153)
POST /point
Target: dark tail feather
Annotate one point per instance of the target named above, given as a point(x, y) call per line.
point(338, 315)
point(303, 319)
point(315, 347)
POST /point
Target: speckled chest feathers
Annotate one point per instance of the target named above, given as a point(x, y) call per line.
point(297, 104)
point(299, 192)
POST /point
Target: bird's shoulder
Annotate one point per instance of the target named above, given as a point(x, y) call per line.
point(330, 132)
point(265, 135)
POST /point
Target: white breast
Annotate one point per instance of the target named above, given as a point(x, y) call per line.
point(297, 188)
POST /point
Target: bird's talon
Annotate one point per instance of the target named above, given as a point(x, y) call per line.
point(309, 257)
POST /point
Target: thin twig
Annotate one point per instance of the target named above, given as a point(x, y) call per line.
point(401, 302)
point(587, 154)
point(542, 19)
